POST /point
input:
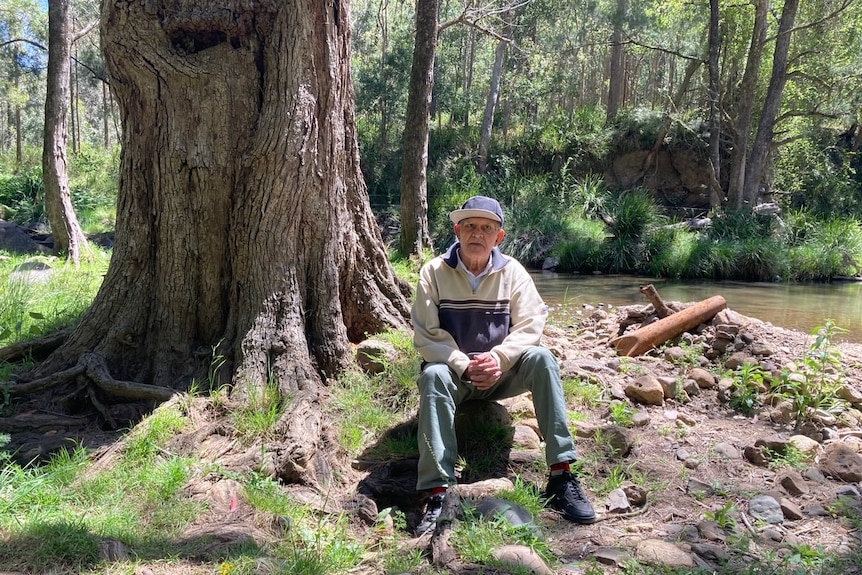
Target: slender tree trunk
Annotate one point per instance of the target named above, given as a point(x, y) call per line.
point(616, 74)
point(414, 186)
point(714, 117)
point(19, 137)
point(243, 222)
point(106, 113)
point(69, 239)
point(755, 173)
point(745, 107)
point(491, 101)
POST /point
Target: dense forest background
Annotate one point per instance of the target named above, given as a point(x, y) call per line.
point(601, 125)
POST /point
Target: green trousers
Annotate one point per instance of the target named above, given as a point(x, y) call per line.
point(441, 391)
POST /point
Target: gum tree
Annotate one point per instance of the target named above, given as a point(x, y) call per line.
point(244, 229)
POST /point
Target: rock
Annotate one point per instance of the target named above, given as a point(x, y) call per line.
point(373, 355)
point(662, 553)
point(619, 439)
point(765, 508)
point(526, 437)
point(841, 462)
point(727, 450)
point(493, 507)
point(793, 483)
point(611, 556)
point(756, 455)
point(806, 445)
point(646, 389)
point(522, 557)
point(790, 510)
point(711, 552)
point(702, 378)
point(617, 502)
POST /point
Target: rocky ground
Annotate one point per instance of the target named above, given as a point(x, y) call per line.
point(717, 492)
point(703, 483)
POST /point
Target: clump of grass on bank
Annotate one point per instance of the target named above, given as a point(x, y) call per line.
point(41, 294)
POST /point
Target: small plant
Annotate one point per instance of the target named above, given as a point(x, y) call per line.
point(747, 385)
point(622, 413)
point(723, 516)
point(816, 383)
point(580, 392)
point(790, 456)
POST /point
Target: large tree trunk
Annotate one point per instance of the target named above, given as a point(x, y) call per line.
point(68, 237)
point(243, 222)
point(755, 173)
point(414, 182)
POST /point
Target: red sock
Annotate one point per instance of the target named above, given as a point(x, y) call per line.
point(558, 468)
point(438, 490)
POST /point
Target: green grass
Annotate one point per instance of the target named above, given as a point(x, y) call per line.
point(46, 301)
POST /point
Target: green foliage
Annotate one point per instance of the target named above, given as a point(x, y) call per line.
point(30, 307)
point(22, 196)
point(815, 384)
point(748, 383)
point(723, 516)
point(585, 248)
point(258, 415)
point(630, 219)
point(622, 413)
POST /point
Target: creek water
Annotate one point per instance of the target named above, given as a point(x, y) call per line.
point(798, 306)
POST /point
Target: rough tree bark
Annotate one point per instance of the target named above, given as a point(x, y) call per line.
point(243, 222)
point(69, 238)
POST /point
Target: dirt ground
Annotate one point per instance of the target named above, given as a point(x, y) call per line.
point(673, 459)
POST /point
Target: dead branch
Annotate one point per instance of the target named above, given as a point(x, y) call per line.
point(651, 294)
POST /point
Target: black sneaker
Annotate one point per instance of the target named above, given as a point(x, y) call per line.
point(565, 494)
point(433, 507)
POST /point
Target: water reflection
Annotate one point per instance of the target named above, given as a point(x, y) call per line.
point(801, 307)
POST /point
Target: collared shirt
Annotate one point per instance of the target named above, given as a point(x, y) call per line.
point(475, 280)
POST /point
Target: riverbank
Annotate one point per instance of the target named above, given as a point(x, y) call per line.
point(798, 306)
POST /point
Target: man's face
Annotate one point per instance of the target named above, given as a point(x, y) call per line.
point(478, 236)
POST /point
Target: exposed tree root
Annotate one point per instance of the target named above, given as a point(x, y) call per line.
point(34, 348)
point(94, 367)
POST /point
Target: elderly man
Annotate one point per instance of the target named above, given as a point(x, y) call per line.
point(477, 321)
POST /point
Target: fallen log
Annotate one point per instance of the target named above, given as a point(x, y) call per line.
point(658, 332)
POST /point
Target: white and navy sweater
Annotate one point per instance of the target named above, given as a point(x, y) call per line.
point(504, 315)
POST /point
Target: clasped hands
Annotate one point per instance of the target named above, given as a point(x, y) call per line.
point(483, 371)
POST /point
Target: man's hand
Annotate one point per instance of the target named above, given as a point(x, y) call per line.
point(483, 371)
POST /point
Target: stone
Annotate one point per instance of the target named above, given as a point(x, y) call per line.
point(806, 445)
point(611, 556)
point(373, 355)
point(658, 552)
point(523, 557)
point(842, 462)
point(702, 378)
point(793, 483)
point(645, 389)
point(727, 450)
point(790, 510)
point(765, 508)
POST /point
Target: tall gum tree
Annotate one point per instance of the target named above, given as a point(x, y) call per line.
point(243, 222)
